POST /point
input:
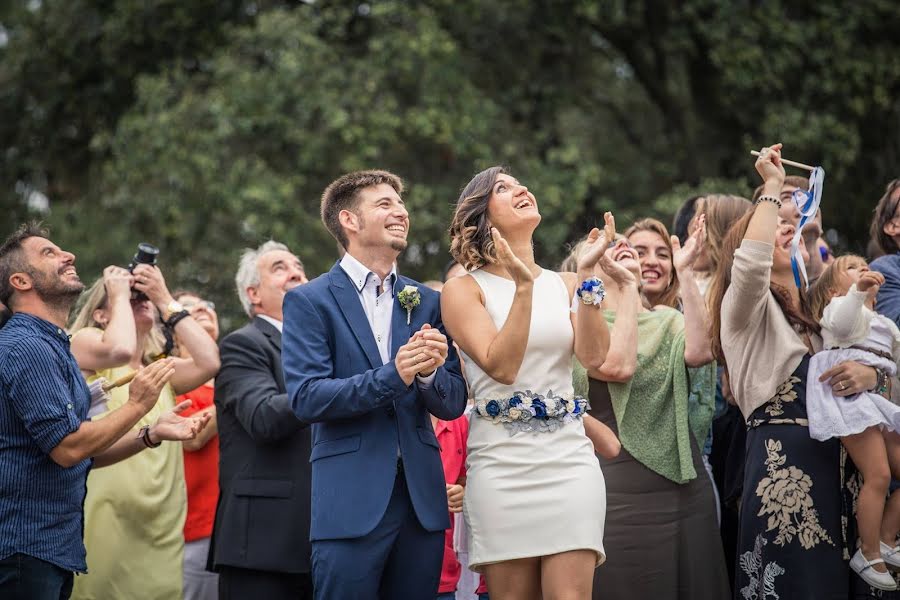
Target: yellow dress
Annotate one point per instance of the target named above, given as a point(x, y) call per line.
point(134, 516)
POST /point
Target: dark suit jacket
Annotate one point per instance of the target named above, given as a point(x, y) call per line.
point(362, 410)
point(262, 518)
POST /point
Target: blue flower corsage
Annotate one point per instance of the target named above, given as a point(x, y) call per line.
point(591, 291)
point(530, 412)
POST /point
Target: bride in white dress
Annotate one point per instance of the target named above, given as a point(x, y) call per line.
point(535, 499)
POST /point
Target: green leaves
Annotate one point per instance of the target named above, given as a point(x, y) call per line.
point(208, 126)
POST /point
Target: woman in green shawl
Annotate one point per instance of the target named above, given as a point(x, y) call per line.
point(661, 528)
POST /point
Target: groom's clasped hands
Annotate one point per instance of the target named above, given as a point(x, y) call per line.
point(425, 351)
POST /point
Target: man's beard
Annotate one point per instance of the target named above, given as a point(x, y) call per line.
point(54, 292)
point(397, 245)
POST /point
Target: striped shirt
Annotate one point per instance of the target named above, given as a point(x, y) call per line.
point(43, 398)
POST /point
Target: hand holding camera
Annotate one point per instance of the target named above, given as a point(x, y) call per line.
point(149, 281)
point(118, 282)
point(146, 255)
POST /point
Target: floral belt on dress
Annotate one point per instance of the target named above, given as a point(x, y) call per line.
point(530, 412)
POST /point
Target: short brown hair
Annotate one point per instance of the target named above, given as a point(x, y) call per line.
point(343, 194)
point(671, 295)
point(884, 212)
point(796, 181)
point(471, 243)
point(825, 287)
point(12, 258)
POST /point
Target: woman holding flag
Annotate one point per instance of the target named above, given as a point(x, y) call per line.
point(792, 536)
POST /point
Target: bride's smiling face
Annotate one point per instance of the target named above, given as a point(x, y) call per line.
point(511, 206)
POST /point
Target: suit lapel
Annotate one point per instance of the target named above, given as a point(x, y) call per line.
point(348, 301)
point(399, 329)
point(268, 330)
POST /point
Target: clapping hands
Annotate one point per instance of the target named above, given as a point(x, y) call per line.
point(507, 259)
point(425, 351)
point(596, 255)
point(683, 258)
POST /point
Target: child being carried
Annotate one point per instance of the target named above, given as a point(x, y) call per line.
point(843, 301)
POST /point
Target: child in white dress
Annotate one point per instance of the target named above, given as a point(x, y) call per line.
point(843, 301)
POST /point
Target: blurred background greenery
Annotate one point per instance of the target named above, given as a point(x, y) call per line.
point(206, 126)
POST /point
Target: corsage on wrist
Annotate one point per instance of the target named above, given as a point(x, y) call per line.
point(591, 291)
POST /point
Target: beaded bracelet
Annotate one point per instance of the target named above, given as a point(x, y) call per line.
point(767, 198)
point(881, 381)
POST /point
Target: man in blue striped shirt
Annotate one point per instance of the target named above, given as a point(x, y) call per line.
point(46, 441)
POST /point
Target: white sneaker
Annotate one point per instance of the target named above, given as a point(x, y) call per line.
point(863, 568)
point(890, 555)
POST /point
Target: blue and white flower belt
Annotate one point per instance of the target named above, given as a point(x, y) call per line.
point(530, 412)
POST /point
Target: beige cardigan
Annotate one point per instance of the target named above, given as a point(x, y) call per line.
point(761, 347)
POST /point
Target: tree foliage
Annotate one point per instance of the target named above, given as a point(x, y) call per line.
point(205, 127)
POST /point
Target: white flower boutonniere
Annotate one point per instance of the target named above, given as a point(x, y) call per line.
point(409, 298)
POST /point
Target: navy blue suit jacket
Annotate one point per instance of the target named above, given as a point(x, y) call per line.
point(360, 408)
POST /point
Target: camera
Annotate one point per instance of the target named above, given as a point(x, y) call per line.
point(146, 255)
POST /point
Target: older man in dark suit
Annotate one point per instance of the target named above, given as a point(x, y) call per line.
point(260, 544)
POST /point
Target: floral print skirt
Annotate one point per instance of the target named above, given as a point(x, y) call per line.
point(791, 543)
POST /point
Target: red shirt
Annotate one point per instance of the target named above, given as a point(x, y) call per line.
point(201, 473)
point(452, 437)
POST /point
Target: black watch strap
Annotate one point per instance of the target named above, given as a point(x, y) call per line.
point(144, 436)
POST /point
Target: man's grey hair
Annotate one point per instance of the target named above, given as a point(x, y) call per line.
point(248, 271)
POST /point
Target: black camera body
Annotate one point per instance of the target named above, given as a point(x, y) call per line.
point(146, 255)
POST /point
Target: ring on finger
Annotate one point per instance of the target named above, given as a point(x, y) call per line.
point(843, 385)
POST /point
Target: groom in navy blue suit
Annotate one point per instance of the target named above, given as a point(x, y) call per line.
point(366, 367)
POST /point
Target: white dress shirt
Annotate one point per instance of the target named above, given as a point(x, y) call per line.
point(377, 299)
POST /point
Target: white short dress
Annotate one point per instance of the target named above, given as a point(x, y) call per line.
point(855, 333)
point(534, 486)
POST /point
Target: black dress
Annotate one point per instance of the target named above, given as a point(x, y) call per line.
point(791, 543)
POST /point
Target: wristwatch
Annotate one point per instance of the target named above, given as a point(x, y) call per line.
point(171, 308)
point(144, 436)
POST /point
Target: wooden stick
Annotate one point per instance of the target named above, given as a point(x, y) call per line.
point(792, 163)
point(119, 382)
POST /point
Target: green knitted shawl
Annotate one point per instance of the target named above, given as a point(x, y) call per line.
point(653, 412)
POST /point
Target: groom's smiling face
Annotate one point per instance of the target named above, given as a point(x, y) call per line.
point(382, 219)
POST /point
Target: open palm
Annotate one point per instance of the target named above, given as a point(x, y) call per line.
point(683, 257)
point(172, 426)
point(507, 259)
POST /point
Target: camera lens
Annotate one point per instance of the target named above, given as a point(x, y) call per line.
point(146, 254)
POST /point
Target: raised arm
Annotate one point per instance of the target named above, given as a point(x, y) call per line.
point(621, 359)
point(116, 343)
point(497, 353)
point(765, 216)
point(752, 267)
point(592, 336)
point(846, 319)
point(203, 363)
point(697, 349)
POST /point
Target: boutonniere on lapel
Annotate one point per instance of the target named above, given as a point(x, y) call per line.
point(409, 299)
